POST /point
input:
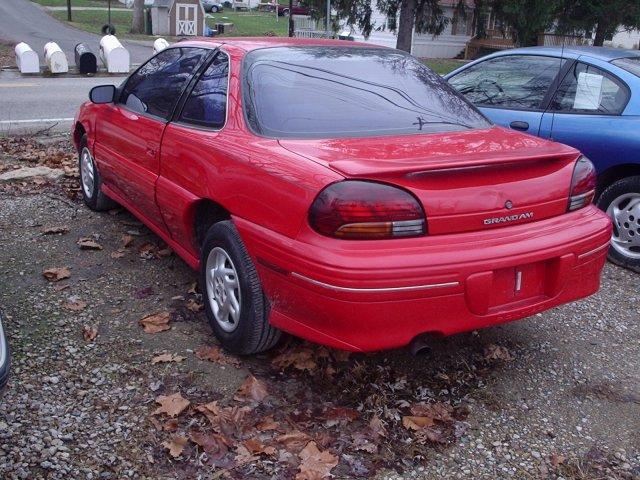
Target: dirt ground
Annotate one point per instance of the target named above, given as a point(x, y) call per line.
point(553, 396)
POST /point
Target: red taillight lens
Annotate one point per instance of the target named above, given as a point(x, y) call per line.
point(356, 209)
point(583, 184)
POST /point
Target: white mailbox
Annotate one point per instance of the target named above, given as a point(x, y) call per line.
point(114, 56)
point(55, 58)
point(27, 59)
point(159, 45)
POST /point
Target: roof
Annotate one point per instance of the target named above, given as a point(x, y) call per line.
point(253, 43)
point(601, 53)
point(162, 3)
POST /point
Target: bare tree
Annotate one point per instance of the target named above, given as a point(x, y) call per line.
point(137, 25)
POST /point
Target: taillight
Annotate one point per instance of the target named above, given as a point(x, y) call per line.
point(583, 184)
point(355, 209)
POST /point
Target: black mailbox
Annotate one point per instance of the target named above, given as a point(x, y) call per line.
point(85, 59)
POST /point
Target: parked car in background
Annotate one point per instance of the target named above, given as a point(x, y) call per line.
point(284, 11)
point(212, 6)
point(341, 192)
point(4, 357)
point(586, 97)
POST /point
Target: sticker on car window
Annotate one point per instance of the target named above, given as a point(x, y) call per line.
point(588, 91)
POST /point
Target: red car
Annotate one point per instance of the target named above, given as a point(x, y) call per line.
point(340, 192)
point(284, 11)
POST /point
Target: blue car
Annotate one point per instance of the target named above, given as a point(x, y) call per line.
point(586, 97)
point(4, 358)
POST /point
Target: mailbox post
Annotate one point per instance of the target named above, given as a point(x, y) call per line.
point(85, 59)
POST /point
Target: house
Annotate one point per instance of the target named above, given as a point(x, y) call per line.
point(177, 18)
point(449, 44)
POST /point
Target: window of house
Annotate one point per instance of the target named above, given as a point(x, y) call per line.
point(588, 89)
point(515, 81)
point(207, 102)
point(156, 86)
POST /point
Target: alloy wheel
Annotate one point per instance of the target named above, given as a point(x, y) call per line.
point(223, 289)
point(625, 213)
point(87, 172)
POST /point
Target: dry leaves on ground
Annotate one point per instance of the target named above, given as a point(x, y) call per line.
point(298, 358)
point(88, 243)
point(215, 354)
point(172, 405)
point(75, 305)
point(175, 445)
point(89, 333)
point(496, 352)
point(166, 358)
point(194, 305)
point(252, 389)
point(56, 274)
point(315, 464)
point(157, 322)
point(59, 230)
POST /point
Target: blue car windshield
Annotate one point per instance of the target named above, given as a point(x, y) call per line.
point(631, 65)
point(329, 92)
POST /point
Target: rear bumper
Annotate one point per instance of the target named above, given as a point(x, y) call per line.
point(373, 295)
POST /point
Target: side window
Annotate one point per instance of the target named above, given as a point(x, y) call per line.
point(588, 89)
point(207, 103)
point(157, 85)
point(515, 81)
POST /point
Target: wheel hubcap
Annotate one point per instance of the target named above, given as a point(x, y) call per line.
point(87, 172)
point(625, 213)
point(223, 289)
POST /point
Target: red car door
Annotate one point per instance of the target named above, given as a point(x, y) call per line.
point(129, 132)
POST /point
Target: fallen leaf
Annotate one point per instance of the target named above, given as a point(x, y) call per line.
point(300, 359)
point(436, 411)
point(257, 447)
point(253, 389)
point(56, 274)
point(166, 358)
point(339, 415)
point(363, 443)
point(175, 445)
point(118, 254)
point(294, 441)
point(74, 305)
point(193, 288)
point(267, 423)
point(164, 252)
point(88, 243)
point(157, 322)
point(215, 354)
point(416, 423)
point(213, 444)
point(557, 460)
point(89, 333)
point(315, 465)
point(377, 427)
point(194, 306)
point(496, 352)
point(172, 405)
point(170, 425)
point(61, 230)
point(226, 420)
point(430, 434)
point(244, 456)
point(127, 240)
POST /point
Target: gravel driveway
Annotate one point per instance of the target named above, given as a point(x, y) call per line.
point(554, 396)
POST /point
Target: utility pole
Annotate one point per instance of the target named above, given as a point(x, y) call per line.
point(328, 22)
point(291, 18)
point(68, 10)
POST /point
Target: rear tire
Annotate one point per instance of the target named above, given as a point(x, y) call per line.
point(234, 301)
point(90, 181)
point(621, 201)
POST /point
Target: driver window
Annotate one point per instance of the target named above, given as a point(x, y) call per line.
point(155, 88)
point(517, 81)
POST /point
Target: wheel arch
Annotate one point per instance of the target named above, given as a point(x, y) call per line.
point(615, 173)
point(207, 212)
point(78, 131)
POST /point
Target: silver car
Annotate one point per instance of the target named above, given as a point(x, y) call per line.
point(212, 6)
point(4, 357)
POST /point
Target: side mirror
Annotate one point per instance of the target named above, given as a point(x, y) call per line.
point(102, 94)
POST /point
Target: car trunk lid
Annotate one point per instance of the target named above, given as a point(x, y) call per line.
point(466, 181)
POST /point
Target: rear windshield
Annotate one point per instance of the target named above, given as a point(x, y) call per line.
point(329, 92)
point(629, 64)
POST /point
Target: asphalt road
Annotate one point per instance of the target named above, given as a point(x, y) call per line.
point(24, 21)
point(36, 103)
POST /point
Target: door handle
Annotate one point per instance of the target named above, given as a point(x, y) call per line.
point(519, 125)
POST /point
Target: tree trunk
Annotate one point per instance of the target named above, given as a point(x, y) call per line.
point(405, 26)
point(137, 25)
point(601, 31)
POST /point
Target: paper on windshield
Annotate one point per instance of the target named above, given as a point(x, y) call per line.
point(588, 92)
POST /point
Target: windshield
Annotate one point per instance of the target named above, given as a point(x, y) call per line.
point(629, 64)
point(329, 92)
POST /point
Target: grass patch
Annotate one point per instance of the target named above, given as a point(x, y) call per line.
point(443, 65)
point(92, 21)
point(251, 24)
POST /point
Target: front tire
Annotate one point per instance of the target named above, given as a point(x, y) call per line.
point(621, 201)
point(234, 302)
point(90, 180)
